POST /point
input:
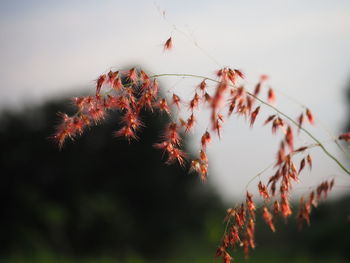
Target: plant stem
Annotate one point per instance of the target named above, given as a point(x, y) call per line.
point(270, 106)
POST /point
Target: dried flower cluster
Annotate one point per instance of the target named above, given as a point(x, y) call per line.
point(133, 91)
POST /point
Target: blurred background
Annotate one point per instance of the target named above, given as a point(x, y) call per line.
point(101, 199)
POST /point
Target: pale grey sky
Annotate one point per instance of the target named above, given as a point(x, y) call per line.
point(49, 48)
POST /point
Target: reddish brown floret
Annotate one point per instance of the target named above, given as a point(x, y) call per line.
point(232, 105)
point(168, 45)
point(310, 116)
point(302, 165)
point(245, 245)
point(194, 102)
point(300, 120)
point(111, 76)
point(303, 213)
point(271, 96)
point(190, 122)
point(278, 122)
point(309, 160)
point(100, 81)
point(202, 86)
point(270, 118)
point(239, 73)
point(250, 232)
point(117, 84)
point(230, 212)
point(96, 113)
point(132, 75)
point(206, 138)
point(289, 138)
point(172, 134)
point(176, 100)
point(284, 205)
point(220, 251)
point(176, 155)
point(257, 89)
point(144, 77)
point(345, 137)
point(126, 132)
point(163, 106)
point(203, 171)
point(268, 219)
point(203, 156)
point(227, 258)
point(281, 154)
point(301, 149)
point(234, 236)
point(132, 120)
point(250, 204)
point(276, 207)
point(207, 98)
point(218, 97)
point(155, 88)
point(263, 190)
point(254, 115)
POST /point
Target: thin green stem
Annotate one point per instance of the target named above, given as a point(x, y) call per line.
point(270, 106)
point(334, 139)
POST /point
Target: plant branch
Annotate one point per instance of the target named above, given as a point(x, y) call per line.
point(270, 106)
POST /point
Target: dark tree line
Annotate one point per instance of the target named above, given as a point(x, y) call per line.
point(98, 195)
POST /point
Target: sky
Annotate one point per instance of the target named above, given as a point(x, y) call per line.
point(50, 49)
